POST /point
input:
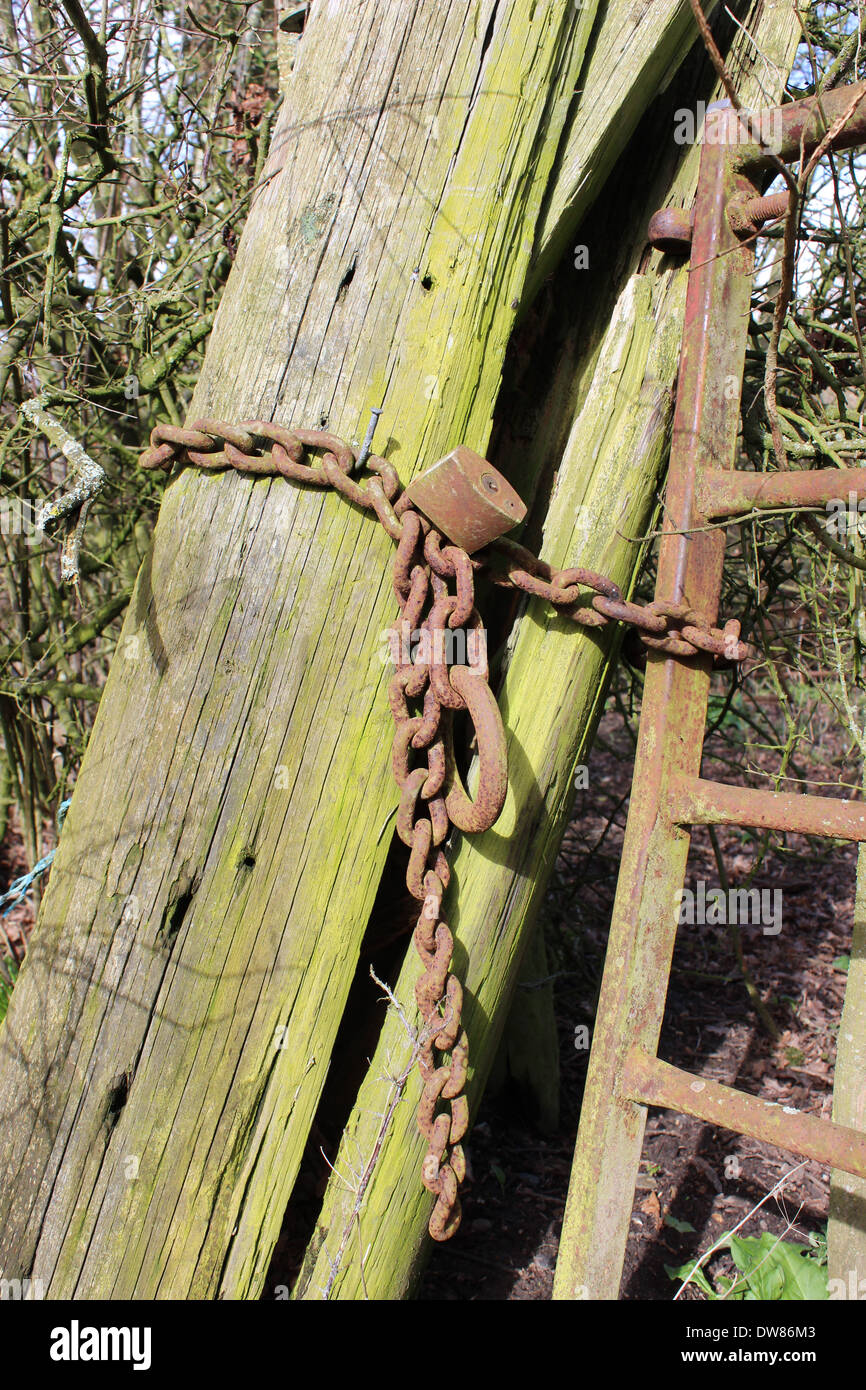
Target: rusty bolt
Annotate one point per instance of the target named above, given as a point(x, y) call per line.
point(746, 215)
point(670, 231)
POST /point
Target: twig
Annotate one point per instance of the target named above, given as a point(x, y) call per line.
point(398, 1085)
point(727, 1235)
point(790, 237)
point(72, 507)
point(55, 231)
point(727, 82)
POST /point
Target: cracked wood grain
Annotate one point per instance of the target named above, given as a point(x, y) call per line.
point(244, 718)
point(223, 848)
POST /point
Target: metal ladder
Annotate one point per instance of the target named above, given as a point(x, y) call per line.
point(669, 796)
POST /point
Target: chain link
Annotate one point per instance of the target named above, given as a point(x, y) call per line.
point(434, 584)
point(671, 627)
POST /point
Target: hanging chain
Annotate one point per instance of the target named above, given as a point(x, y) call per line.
point(434, 584)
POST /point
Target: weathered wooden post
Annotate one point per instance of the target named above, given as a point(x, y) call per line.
point(169, 1038)
point(846, 1229)
point(551, 695)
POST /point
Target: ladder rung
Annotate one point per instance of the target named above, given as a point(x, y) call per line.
point(697, 801)
point(650, 1081)
point(729, 492)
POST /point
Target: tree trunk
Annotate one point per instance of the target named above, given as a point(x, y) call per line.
point(225, 840)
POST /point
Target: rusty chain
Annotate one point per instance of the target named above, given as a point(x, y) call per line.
point(432, 797)
point(674, 628)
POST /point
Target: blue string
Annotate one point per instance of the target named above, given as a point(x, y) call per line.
point(18, 890)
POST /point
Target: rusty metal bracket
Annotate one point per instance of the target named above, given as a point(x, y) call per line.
point(668, 794)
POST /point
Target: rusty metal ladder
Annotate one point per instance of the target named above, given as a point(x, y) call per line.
point(669, 796)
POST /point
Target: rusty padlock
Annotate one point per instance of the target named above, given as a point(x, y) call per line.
point(467, 499)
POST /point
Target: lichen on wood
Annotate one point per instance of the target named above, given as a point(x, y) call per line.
point(200, 904)
point(169, 1037)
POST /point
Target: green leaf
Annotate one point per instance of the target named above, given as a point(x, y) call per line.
point(842, 963)
point(733, 1290)
point(678, 1225)
point(778, 1270)
point(688, 1273)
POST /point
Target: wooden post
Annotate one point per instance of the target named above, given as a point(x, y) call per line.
point(169, 1037)
point(551, 697)
point(846, 1229)
point(526, 1063)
